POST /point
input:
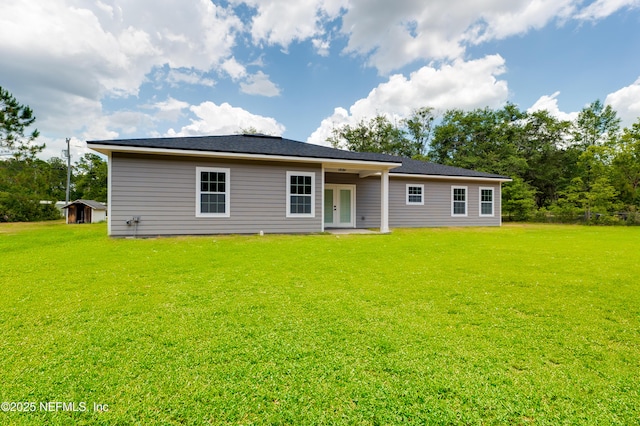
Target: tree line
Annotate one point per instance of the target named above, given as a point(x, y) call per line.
point(29, 186)
point(587, 169)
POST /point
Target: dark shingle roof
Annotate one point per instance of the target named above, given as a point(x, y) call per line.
point(277, 146)
point(416, 167)
point(250, 144)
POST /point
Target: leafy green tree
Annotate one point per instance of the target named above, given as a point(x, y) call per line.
point(582, 199)
point(546, 161)
point(518, 200)
point(483, 139)
point(380, 135)
point(23, 190)
point(376, 135)
point(595, 125)
point(593, 167)
point(419, 128)
point(602, 197)
point(57, 182)
point(568, 206)
point(15, 118)
point(23, 177)
point(625, 169)
point(90, 178)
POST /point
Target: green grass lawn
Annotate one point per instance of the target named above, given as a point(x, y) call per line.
point(512, 325)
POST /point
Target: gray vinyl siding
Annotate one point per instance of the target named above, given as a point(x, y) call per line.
point(161, 190)
point(436, 210)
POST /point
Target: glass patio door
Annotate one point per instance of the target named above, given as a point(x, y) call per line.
point(339, 206)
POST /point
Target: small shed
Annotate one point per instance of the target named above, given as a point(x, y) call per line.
point(86, 211)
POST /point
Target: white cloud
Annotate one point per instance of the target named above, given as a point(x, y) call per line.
point(234, 69)
point(176, 77)
point(321, 46)
point(212, 119)
point(550, 104)
point(259, 84)
point(393, 34)
point(55, 146)
point(283, 21)
point(626, 102)
point(63, 57)
point(169, 110)
point(339, 118)
point(515, 18)
point(114, 51)
point(464, 85)
point(117, 124)
point(602, 8)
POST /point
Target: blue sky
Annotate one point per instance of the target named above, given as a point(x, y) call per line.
point(120, 69)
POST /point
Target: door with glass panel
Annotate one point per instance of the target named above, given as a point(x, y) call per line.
point(339, 206)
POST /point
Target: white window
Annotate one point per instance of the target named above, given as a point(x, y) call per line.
point(458, 201)
point(301, 194)
point(415, 194)
point(486, 201)
point(212, 192)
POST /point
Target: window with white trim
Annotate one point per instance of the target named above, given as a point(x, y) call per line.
point(301, 194)
point(415, 194)
point(212, 192)
point(458, 201)
point(486, 201)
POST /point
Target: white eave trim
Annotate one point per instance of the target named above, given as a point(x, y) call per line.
point(446, 177)
point(105, 149)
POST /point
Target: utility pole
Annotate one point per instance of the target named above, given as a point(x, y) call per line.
point(68, 155)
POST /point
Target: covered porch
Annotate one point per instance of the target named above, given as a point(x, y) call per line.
point(355, 197)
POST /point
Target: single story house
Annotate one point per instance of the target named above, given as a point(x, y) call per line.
point(85, 211)
point(256, 183)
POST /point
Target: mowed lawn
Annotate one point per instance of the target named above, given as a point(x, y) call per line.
point(523, 324)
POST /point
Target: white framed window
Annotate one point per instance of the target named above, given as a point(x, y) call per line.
point(415, 194)
point(301, 194)
point(486, 201)
point(212, 192)
point(458, 201)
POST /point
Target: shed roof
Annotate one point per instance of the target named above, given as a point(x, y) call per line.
point(96, 205)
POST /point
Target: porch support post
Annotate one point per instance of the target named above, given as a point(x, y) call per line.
point(109, 191)
point(322, 199)
point(384, 201)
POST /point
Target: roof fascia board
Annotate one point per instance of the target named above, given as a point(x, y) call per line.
point(105, 149)
point(449, 177)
